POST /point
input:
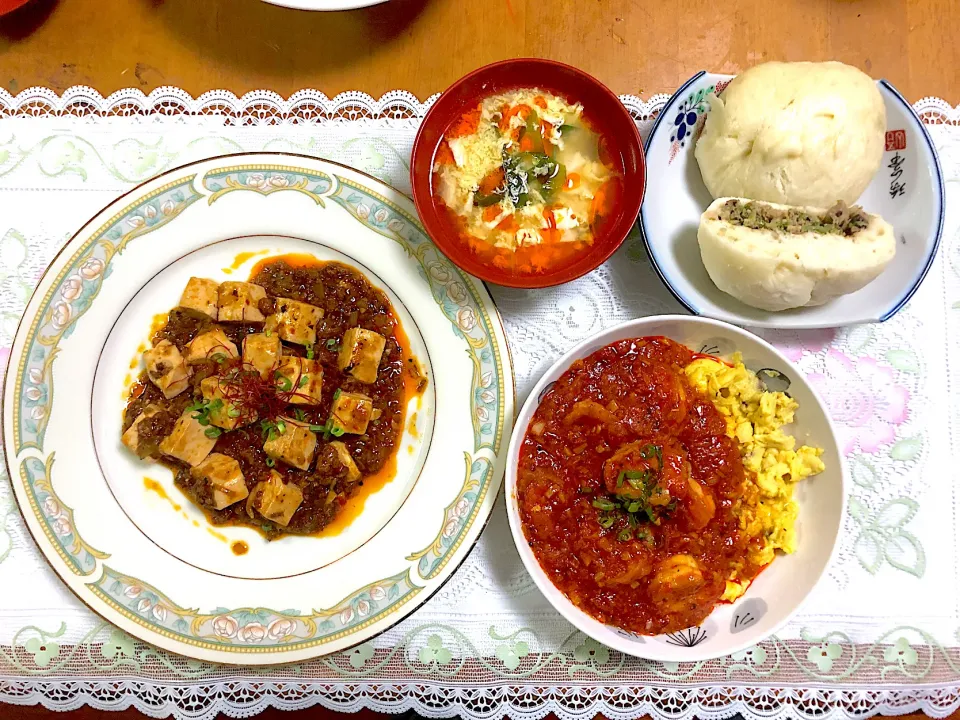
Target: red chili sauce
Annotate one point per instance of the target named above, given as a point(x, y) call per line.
point(629, 489)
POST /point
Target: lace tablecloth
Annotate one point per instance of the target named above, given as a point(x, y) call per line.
point(881, 634)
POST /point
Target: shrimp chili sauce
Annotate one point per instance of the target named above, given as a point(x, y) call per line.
point(274, 400)
point(630, 490)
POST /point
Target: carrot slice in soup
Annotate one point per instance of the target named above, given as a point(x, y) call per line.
point(492, 181)
point(522, 110)
point(491, 213)
point(605, 200)
point(444, 154)
point(466, 125)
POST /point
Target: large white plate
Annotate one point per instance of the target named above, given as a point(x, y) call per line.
point(325, 4)
point(151, 564)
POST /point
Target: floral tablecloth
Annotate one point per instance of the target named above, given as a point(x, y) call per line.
point(881, 634)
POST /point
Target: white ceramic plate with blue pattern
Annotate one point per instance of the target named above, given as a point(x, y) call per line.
point(780, 590)
point(148, 561)
point(907, 191)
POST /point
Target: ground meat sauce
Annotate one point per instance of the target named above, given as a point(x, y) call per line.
point(841, 219)
point(629, 487)
point(348, 301)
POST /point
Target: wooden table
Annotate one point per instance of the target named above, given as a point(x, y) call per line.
point(635, 46)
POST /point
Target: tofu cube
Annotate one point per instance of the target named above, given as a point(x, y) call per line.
point(262, 352)
point(224, 479)
point(131, 437)
point(166, 368)
point(360, 354)
point(294, 321)
point(188, 442)
point(240, 302)
point(350, 413)
point(200, 295)
point(291, 443)
point(209, 345)
point(353, 472)
point(277, 501)
point(223, 413)
point(301, 377)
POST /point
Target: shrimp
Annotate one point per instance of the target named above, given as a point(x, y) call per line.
point(700, 505)
point(588, 409)
point(675, 580)
point(664, 461)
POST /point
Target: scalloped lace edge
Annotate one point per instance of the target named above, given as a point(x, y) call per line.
point(242, 698)
point(265, 107)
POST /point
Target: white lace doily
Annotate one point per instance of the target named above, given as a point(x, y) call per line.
point(882, 633)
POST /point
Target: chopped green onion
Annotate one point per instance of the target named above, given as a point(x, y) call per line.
point(303, 381)
point(336, 395)
point(283, 382)
point(281, 427)
point(634, 506)
point(218, 358)
point(212, 432)
point(268, 333)
point(271, 462)
point(603, 504)
point(233, 412)
point(318, 428)
point(586, 490)
point(336, 430)
point(625, 534)
point(309, 352)
point(606, 521)
point(299, 414)
point(333, 345)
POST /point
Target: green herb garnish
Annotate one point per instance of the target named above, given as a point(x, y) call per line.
point(333, 345)
point(299, 414)
point(269, 429)
point(270, 462)
point(336, 430)
point(218, 358)
point(625, 534)
point(283, 382)
point(212, 432)
point(309, 352)
point(281, 427)
point(303, 381)
point(233, 412)
point(201, 410)
point(605, 504)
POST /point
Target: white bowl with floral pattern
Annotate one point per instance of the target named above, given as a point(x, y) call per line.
point(907, 191)
point(779, 591)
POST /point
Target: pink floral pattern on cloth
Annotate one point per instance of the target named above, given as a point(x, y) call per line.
point(863, 398)
point(797, 343)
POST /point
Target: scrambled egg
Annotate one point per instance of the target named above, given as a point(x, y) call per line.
point(755, 417)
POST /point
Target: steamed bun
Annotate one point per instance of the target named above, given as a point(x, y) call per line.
point(777, 270)
point(794, 133)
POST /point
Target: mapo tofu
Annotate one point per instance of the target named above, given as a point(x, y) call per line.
point(273, 399)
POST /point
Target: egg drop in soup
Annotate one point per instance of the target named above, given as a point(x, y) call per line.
point(527, 181)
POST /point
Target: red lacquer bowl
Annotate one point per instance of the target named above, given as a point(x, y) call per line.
point(602, 109)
